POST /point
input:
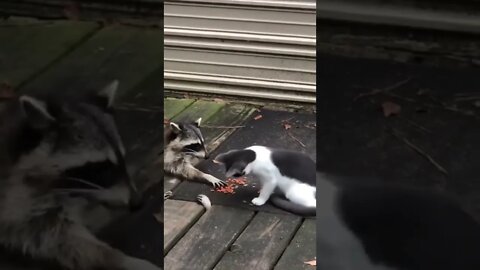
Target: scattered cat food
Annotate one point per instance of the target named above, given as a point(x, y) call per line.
point(205, 201)
point(258, 117)
point(232, 184)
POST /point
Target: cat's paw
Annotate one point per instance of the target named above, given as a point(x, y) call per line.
point(217, 182)
point(167, 195)
point(258, 201)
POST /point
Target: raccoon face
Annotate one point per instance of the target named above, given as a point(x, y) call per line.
point(60, 135)
point(236, 162)
point(188, 138)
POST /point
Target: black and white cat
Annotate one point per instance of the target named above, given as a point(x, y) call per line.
point(293, 173)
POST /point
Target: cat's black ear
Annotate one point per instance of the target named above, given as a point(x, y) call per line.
point(221, 158)
point(36, 112)
point(176, 128)
point(106, 96)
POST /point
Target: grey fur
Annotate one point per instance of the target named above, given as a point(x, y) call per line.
point(184, 144)
point(40, 142)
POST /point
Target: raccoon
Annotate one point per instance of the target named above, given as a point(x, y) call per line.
point(184, 143)
point(44, 200)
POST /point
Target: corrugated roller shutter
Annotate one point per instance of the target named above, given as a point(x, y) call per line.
point(258, 49)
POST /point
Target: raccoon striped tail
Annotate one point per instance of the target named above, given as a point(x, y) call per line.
point(294, 208)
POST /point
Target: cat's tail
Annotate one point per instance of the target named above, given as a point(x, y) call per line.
point(291, 207)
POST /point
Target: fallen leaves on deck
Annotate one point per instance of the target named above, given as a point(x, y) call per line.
point(390, 108)
point(312, 262)
point(287, 126)
point(232, 184)
point(258, 117)
point(6, 91)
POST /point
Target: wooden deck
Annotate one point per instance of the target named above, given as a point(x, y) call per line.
point(227, 236)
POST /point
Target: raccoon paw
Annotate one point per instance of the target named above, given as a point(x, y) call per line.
point(167, 195)
point(258, 201)
point(204, 200)
point(218, 183)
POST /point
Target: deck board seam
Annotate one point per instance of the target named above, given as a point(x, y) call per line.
point(59, 58)
point(289, 242)
point(235, 239)
point(184, 232)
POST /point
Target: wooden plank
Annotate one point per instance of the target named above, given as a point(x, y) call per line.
point(28, 48)
point(301, 249)
point(201, 108)
point(208, 239)
point(261, 244)
point(174, 106)
point(148, 95)
point(143, 12)
point(178, 217)
point(126, 53)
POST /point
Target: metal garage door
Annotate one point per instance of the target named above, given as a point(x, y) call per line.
point(250, 48)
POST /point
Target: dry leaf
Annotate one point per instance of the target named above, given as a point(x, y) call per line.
point(258, 117)
point(287, 126)
point(72, 10)
point(6, 90)
point(390, 108)
point(166, 121)
point(422, 91)
point(312, 262)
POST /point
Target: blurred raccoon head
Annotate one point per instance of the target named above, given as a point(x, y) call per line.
point(65, 138)
point(58, 135)
point(187, 139)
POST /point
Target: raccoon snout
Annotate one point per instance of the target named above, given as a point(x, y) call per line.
point(207, 156)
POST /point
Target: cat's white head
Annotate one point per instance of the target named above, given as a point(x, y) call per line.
point(236, 161)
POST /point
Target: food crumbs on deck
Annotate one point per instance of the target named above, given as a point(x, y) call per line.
point(232, 184)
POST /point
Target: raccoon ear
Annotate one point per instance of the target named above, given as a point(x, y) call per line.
point(197, 122)
point(175, 127)
point(36, 112)
point(107, 94)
